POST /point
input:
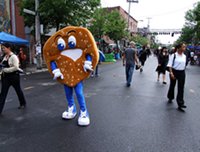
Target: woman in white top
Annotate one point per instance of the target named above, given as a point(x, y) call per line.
point(177, 64)
point(10, 77)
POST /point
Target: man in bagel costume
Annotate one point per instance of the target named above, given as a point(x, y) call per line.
point(70, 55)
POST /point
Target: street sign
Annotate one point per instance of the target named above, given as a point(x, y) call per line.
point(132, 1)
point(28, 11)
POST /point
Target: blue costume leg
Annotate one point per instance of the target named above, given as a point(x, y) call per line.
point(80, 96)
point(69, 95)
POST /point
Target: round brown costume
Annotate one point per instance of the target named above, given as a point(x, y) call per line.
point(71, 69)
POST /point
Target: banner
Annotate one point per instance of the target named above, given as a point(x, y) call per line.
point(158, 33)
point(5, 24)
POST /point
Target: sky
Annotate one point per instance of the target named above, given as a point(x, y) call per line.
point(164, 14)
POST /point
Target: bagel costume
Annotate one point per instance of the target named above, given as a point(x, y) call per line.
point(70, 55)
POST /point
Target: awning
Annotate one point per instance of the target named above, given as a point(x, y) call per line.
point(6, 37)
point(108, 40)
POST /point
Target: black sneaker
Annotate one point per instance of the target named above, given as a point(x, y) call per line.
point(128, 85)
point(180, 109)
point(170, 101)
point(164, 82)
point(183, 106)
point(22, 107)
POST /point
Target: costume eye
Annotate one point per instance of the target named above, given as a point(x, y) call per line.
point(72, 42)
point(61, 44)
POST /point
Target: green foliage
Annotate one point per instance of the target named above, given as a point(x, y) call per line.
point(115, 26)
point(97, 22)
point(54, 13)
point(28, 19)
point(191, 30)
point(140, 39)
point(108, 23)
point(187, 36)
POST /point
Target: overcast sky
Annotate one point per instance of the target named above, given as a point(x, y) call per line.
point(165, 14)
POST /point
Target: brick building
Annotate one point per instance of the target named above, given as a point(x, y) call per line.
point(132, 21)
point(10, 19)
point(12, 22)
point(17, 21)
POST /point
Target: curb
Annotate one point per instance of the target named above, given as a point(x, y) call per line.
point(34, 72)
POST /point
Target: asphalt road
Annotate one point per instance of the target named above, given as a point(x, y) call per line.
point(136, 119)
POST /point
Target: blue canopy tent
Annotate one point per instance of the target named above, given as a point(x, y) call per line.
point(5, 37)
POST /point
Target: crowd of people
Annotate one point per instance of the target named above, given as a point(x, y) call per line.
point(174, 62)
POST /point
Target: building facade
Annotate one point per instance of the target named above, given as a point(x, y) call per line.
point(17, 21)
point(132, 27)
point(10, 19)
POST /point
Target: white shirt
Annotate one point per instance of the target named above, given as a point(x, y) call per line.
point(179, 62)
point(13, 62)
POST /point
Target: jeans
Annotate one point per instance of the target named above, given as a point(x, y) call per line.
point(79, 94)
point(129, 73)
point(96, 71)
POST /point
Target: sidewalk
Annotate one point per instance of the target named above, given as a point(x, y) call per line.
point(31, 68)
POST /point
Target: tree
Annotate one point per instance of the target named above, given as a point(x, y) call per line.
point(187, 35)
point(191, 29)
point(53, 13)
point(97, 23)
point(115, 26)
point(139, 39)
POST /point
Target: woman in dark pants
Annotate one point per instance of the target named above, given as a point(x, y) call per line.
point(163, 58)
point(143, 57)
point(177, 64)
point(10, 77)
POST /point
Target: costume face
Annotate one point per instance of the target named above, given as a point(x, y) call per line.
point(68, 48)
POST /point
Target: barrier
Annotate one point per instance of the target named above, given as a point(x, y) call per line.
point(110, 57)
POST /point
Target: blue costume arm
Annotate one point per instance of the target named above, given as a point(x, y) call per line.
point(88, 58)
point(53, 65)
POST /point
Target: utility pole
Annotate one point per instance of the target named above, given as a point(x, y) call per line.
point(13, 17)
point(38, 47)
point(129, 10)
point(37, 36)
point(148, 29)
point(148, 25)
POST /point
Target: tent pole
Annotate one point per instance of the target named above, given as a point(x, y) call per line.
point(30, 54)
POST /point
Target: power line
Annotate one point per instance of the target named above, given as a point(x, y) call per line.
point(169, 12)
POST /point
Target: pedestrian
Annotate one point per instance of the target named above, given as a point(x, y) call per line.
point(163, 58)
point(129, 60)
point(148, 50)
point(143, 57)
point(22, 58)
point(10, 77)
point(101, 59)
point(177, 65)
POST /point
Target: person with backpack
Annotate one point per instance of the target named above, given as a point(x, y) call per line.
point(177, 65)
point(10, 77)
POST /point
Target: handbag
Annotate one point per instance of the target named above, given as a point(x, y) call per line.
point(137, 67)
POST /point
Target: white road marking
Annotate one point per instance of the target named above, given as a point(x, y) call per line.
point(192, 91)
point(48, 84)
point(28, 88)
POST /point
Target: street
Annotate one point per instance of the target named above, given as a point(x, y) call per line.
point(135, 119)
